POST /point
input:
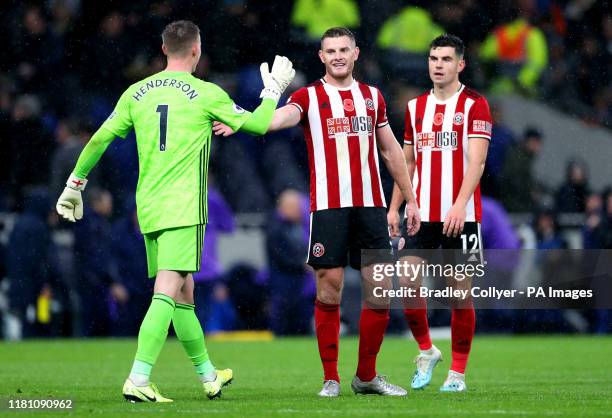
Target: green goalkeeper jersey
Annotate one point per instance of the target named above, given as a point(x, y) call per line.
point(172, 115)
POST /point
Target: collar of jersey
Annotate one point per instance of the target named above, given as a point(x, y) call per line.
point(175, 72)
point(437, 101)
point(353, 84)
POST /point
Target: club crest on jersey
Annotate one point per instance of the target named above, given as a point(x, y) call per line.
point(349, 106)
point(369, 104)
point(438, 118)
point(238, 109)
point(458, 119)
point(318, 250)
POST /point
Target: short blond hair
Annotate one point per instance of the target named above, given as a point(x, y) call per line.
point(179, 36)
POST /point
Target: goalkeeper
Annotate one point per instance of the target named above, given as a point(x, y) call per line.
point(172, 114)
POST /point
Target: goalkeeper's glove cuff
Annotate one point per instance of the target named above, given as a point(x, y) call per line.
point(270, 93)
point(76, 183)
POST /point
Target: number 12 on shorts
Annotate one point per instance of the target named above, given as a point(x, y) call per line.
point(472, 239)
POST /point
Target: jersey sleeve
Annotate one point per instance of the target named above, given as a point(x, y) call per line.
point(408, 131)
point(120, 121)
point(219, 106)
point(300, 100)
point(381, 115)
point(480, 123)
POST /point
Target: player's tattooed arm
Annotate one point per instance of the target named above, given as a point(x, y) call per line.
point(395, 161)
point(455, 217)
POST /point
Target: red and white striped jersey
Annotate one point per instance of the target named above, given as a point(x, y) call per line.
point(340, 131)
point(439, 132)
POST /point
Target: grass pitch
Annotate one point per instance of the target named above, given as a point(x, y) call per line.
point(565, 376)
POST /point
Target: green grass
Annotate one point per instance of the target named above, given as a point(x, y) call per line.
point(565, 376)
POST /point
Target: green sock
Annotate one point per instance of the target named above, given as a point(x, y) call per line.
point(189, 332)
point(153, 331)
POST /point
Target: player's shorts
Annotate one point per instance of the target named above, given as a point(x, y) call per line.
point(337, 236)
point(176, 249)
point(430, 237)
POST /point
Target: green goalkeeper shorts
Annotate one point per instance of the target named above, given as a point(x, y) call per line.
point(176, 249)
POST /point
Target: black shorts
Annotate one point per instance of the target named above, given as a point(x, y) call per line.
point(430, 237)
point(337, 236)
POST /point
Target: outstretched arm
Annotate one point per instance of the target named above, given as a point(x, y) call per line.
point(395, 161)
point(283, 118)
point(259, 121)
point(286, 117)
point(275, 82)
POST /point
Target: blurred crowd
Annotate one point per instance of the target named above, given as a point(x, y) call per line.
point(67, 61)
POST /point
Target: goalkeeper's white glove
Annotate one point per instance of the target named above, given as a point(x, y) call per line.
point(276, 81)
point(70, 203)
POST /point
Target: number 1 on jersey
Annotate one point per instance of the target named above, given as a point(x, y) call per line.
point(163, 125)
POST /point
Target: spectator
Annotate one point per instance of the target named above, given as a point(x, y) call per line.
point(571, 196)
point(6, 127)
point(555, 86)
point(602, 233)
point(405, 38)
point(287, 245)
point(27, 129)
point(30, 261)
point(128, 306)
point(547, 232)
point(109, 47)
point(599, 233)
point(220, 221)
point(554, 270)
point(250, 296)
point(316, 16)
point(410, 30)
point(98, 280)
point(592, 69)
point(453, 18)
point(520, 188)
point(594, 215)
point(519, 53)
point(71, 136)
point(222, 315)
point(502, 139)
point(229, 18)
point(36, 52)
